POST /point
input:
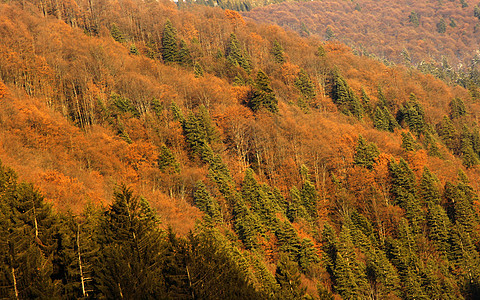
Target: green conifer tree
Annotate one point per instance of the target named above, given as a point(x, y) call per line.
point(184, 57)
point(288, 277)
point(413, 114)
point(169, 43)
point(278, 53)
point(305, 85)
point(408, 142)
point(428, 189)
point(263, 95)
point(365, 153)
point(457, 108)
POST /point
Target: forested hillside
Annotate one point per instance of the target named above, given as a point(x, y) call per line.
point(440, 37)
point(188, 154)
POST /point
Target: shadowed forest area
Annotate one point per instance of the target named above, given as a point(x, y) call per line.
point(151, 151)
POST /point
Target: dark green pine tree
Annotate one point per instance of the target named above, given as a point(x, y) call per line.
point(464, 199)
point(169, 43)
point(439, 227)
point(295, 209)
point(116, 33)
point(29, 232)
point(308, 254)
point(366, 104)
point(391, 121)
point(349, 274)
point(469, 157)
point(381, 274)
point(131, 243)
point(431, 145)
point(404, 192)
point(246, 224)
point(365, 153)
point(288, 277)
point(321, 51)
point(195, 134)
point(278, 53)
point(289, 241)
point(466, 259)
point(329, 248)
point(308, 194)
point(205, 202)
point(197, 70)
point(413, 18)
point(305, 85)
point(166, 161)
point(379, 120)
point(263, 95)
point(402, 252)
point(184, 58)
point(413, 114)
point(457, 108)
point(134, 50)
point(235, 55)
point(428, 189)
point(442, 26)
point(448, 134)
point(344, 97)
point(408, 142)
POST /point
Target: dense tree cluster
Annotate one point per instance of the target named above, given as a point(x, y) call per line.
point(310, 172)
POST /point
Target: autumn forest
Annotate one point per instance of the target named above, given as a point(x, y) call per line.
point(160, 150)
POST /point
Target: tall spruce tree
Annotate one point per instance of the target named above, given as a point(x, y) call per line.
point(169, 43)
point(365, 153)
point(263, 95)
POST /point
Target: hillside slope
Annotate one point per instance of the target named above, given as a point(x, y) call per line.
point(401, 31)
point(295, 167)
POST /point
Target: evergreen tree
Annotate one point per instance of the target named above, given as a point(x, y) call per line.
point(408, 142)
point(263, 95)
point(197, 70)
point(441, 26)
point(379, 120)
point(166, 160)
point(350, 277)
point(439, 227)
point(448, 134)
point(116, 34)
point(308, 195)
point(29, 232)
point(413, 114)
point(235, 55)
point(195, 134)
point(469, 157)
point(365, 153)
point(457, 108)
point(134, 50)
point(305, 85)
point(344, 97)
point(428, 190)
point(278, 53)
point(329, 248)
point(366, 104)
point(381, 274)
point(169, 43)
point(404, 192)
point(184, 58)
point(204, 201)
point(131, 243)
point(288, 277)
point(413, 18)
point(321, 51)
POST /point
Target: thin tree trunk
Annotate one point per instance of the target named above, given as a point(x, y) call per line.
point(15, 283)
point(82, 279)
